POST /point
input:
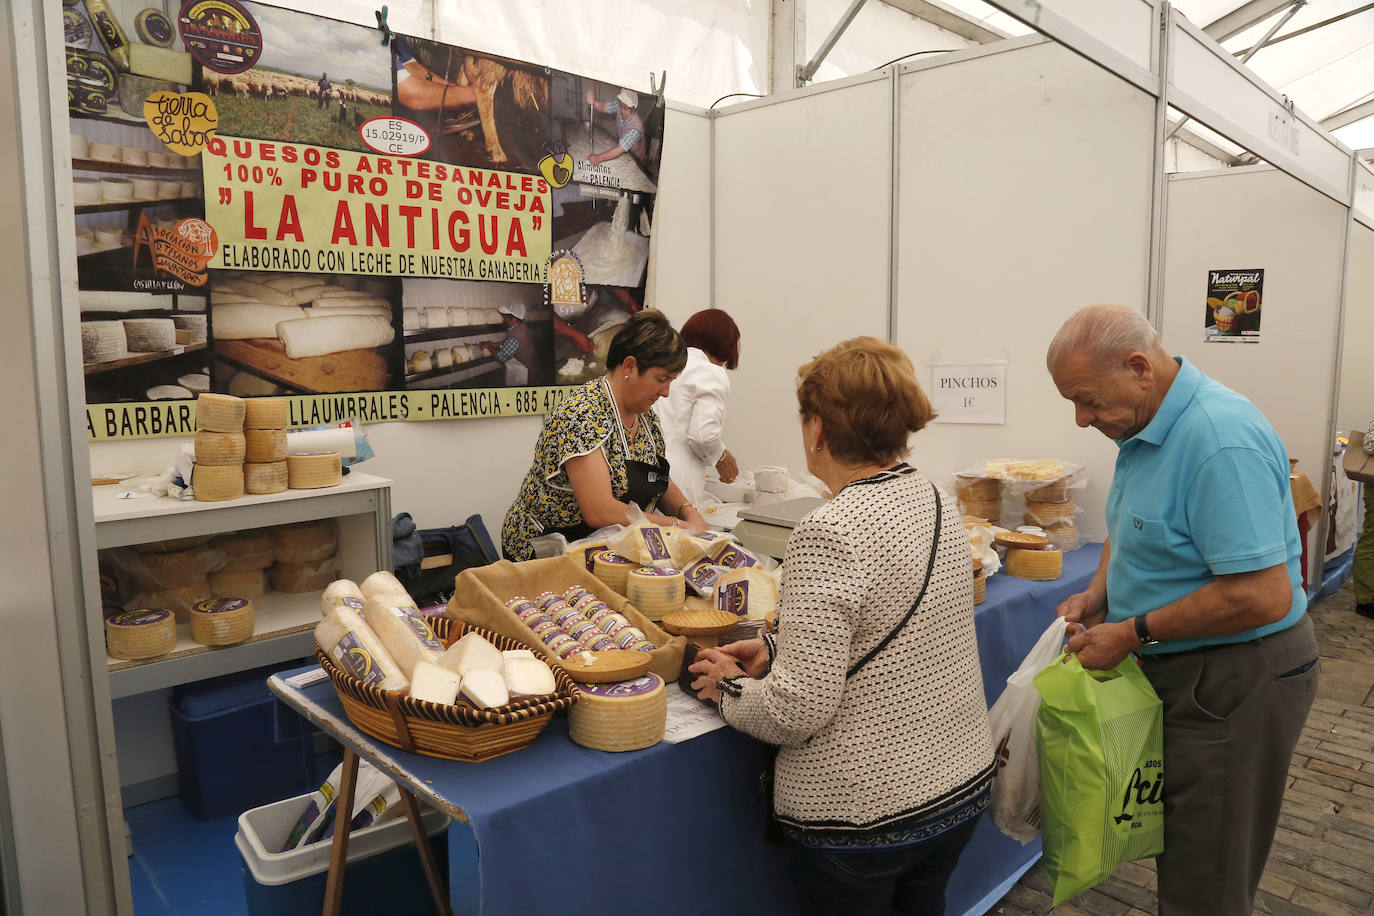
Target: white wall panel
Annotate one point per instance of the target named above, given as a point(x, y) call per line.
point(1259, 217)
point(1010, 222)
point(1117, 34)
point(1355, 404)
point(801, 247)
point(680, 247)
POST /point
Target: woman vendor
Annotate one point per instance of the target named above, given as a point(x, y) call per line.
point(602, 448)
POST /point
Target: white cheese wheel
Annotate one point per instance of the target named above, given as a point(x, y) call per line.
point(219, 448)
point(404, 632)
point(262, 445)
point(221, 413)
point(748, 592)
point(355, 649)
point(334, 334)
point(443, 358)
point(311, 470)
point(103, 152)
point(307, 542)
point(295, 578)
point(195, 382)
point(262, 477)
point(80, 146)
point(241, 583)
point(485, 689)
point(434, 684)
point(457, 317)
point(248, 550)
point(263, 413)
point(145, 188)
point(165, 190)
point(410, 319)
point(196, 323)
point(655, 591)
point(149, 335)
point(102, 341)
point(620, 716)
point(86, 190)
point(116, 190)
point(142, 633)
point(436, 317)
point(471, 653)
point(168, 393)
point(341, 593)
point(382, 583)
point(244, 320)
point(133, 155)
point(217, 482)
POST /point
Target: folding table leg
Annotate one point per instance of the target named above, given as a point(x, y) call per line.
point(338, 856)
point(417, 830)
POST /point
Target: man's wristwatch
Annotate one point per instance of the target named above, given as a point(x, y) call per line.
point(1142, 631)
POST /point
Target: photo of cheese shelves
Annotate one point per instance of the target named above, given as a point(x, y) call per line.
point(163, 335)
point(453, 330)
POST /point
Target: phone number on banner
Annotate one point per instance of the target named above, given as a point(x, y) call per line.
point(178, 418)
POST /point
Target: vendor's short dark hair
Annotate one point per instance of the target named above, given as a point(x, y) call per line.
point(714, 333)
point(651, 340)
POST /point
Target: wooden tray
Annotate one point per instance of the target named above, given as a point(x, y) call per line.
point(699, 622)
point(1022, 539)
point(349, 370)
point(607, 665)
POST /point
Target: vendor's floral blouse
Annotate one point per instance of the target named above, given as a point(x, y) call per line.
point(583, 423)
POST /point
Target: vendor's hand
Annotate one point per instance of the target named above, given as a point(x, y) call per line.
point(663, 521)
point(752, 654)
point(1084, 608)
point(727, 468)
point(1105, 645)
point(711, 667)
point(693, 519)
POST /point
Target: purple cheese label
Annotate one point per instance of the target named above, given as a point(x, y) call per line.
point(616, 559)
point(654, 543)
point(733, 597)
point(734, 558)
point(589, 558)
point(219, 605)
point(582, 630)
point(353, 657)
point(645, 647)
point(412, 618)
point(702, 575)
point(140, 617)
point(653, 571)
point(625, 639)
point(632, 688)
point(352, 602)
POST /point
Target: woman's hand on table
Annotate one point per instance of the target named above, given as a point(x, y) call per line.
point(752, 655)
point(711, 667)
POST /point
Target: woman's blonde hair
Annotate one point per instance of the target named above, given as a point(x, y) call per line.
point(864, 392)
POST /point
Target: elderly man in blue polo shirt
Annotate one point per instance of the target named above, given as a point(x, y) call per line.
point(1199, 576)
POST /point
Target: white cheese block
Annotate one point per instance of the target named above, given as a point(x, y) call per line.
point(334, 334)
point(436, 318)
point(166, 190)
point(215, 483)
point(219, 448)
point(145, 188)
point(404, 632)
point(133, 155)
point(410, 319)
point(238, 583)
point(103, 152)
point(458, 317)
point(341, 593)
point(244, 320)
point(350, 299)
point(295, 578)
point(354, 648)
point(197, 382)
point(86, 190)
point(307, 542)
point(472, 653)
point(116, 190)
point(376, 311)
point(188, 189)
point(749, 592)
point(434, 684)
point(222, 413)
point(265, 414)
point(102, 341)
point(160, 63)
point(253, 289)
point(142, 633)
point(485, 689)
point(261, 477)
point(620, 716)
point(528, 677)
point(311, 470)
point(265, 445)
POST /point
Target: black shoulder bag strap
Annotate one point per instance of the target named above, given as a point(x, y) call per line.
point(920, 596)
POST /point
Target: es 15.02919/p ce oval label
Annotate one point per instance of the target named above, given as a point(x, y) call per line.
point(394, 136)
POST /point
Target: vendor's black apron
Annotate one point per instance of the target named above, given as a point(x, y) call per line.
point(647, 482)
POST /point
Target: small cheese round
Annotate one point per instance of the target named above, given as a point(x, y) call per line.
point(141, 633)
point(222, 413)
point(312, 470)
point(264, 477)
point(219, 448)
point(264, 445)
point(265, 413)
point(215, 483)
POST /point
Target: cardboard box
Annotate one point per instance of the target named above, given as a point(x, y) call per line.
point(481, 594)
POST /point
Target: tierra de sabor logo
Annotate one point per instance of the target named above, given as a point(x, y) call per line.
point(1250, 277)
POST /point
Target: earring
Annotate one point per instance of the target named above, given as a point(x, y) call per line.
point(627, 378)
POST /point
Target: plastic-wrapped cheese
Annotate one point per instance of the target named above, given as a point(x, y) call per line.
point(306, 542)
point(747, 592)
point(404, 632)
point(382, 582)
point(434, 684)
point(485, 689)
point(247, 550)
point(311, 576)
point(341, 593)
point(246, 583)
point(351, 644)
point(645, 544)
point(472, 653)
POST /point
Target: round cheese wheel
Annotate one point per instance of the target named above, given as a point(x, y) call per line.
point(219, 448)
point(311, 470)
point(655, 591)
point(611, 568)
point(264, 477)
point(308, 542)
point(142, 633)
point(621, 715)
point(247, 550)
point(303, 577)
point(1038, 564)
point(217, 482)
point(150, 335)
point(221, 621)
point(263, 445)
point(263, 413)
point(222, 413)
point(238, 583)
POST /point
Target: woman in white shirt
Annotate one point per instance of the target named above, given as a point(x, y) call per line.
point(693, 414)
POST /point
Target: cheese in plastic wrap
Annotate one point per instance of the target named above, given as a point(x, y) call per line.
point(352, 645)
point(404, 632)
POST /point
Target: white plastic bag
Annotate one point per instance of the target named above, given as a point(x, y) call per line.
point(1016, 788)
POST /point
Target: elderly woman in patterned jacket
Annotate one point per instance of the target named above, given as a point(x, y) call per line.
point(871, 687)
point(602, 448)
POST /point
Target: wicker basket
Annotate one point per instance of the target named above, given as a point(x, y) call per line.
point(449, 732)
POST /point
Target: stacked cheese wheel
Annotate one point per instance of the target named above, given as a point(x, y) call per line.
point(172, 575)
point(979, 496)
point(304, 556)
point(264, 433)
point(1040, 564)
point(656, 591)
point(244, 559)
point(611, 568)
point(219, 448)
point(980, 582)
point(1051, 507)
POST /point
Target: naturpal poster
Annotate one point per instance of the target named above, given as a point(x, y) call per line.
point(1234, 301)
point(270, 203)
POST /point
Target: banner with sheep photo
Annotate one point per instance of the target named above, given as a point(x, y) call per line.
point(271, 203)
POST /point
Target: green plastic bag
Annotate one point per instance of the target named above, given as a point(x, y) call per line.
point(1100, 738)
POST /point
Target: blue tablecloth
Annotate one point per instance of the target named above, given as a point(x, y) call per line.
point(673, 828)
